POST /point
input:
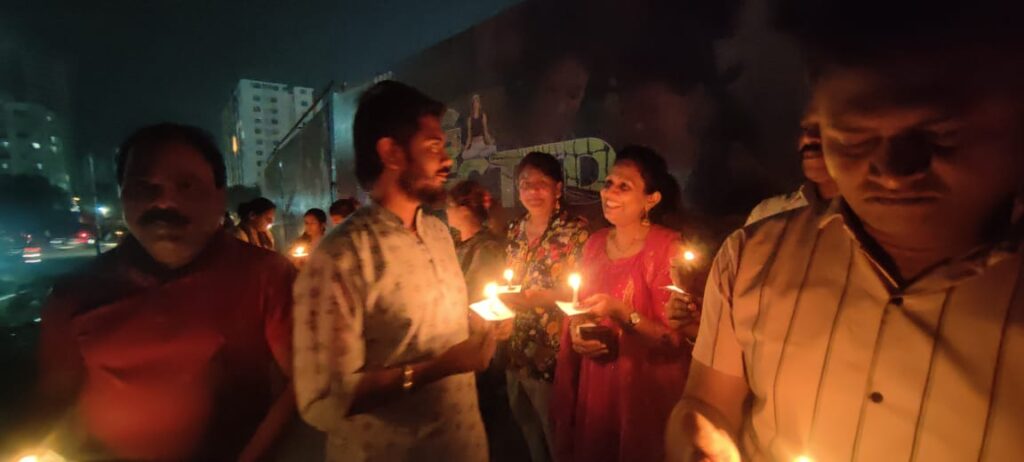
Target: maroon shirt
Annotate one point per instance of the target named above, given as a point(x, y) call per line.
point(164, 364)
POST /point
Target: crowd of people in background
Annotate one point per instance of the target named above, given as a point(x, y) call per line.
point(874, 314)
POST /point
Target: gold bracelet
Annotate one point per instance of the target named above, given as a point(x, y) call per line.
point(407, 381)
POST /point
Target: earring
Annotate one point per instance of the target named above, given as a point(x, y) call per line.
point(644, 220)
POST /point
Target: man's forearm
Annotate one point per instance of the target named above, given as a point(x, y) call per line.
point(377, 388)
point(687, 439)
point(713, 414)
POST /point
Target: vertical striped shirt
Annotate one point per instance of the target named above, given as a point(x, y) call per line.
point(844, 364)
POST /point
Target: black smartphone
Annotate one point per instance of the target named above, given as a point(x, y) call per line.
point(595, 332)
point(603, 334)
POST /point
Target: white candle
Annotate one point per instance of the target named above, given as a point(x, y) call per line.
point(508, 277)
point(574, 282)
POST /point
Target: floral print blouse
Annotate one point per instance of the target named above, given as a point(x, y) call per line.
point(543, 264)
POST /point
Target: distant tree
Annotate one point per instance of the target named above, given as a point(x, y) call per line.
point(30, 203)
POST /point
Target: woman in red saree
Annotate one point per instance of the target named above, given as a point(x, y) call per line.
point(622, 367)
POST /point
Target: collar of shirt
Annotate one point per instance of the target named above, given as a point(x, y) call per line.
point(973, 263)
point(385, 215)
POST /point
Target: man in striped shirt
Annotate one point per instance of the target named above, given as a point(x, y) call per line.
point(887, 325)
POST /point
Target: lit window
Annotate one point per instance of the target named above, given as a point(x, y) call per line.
point(53, 149)
point(4, 165)
point(5, 143)
point(49, 117)
point(39, 166)
point(54, 139)
point(36, 145)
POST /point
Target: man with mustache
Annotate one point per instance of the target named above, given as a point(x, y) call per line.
point(818, 189)
point(890, 325)
point(384, 354)
point(176, 345)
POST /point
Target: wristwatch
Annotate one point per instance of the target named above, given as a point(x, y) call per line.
point(634, 319)
point(407, 379)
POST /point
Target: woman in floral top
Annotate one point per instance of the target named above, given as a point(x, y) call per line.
point(543, 248)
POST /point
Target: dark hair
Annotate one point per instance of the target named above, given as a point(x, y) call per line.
point(388, 109)
point(864, 32)
point(243, 212)
point(473, 195)
point(654, 171)
point(318, 214)
point(344, 207)
point(258, 206)
point(146, 139)
point(542, 162)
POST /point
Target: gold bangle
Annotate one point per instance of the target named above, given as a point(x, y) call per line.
point(407, 381)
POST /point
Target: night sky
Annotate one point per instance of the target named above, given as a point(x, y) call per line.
point(140, 61)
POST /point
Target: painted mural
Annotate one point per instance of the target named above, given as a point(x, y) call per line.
point(703, 82)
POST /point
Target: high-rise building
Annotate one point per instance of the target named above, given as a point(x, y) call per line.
point(32, 142)
point(40, 78)
point(258, 115)
point(35, 108)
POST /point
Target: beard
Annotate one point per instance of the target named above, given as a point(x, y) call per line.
point(416, 184)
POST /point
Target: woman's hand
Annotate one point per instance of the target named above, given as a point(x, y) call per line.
point(606, 306)
point(683, 309)
point(585, 348)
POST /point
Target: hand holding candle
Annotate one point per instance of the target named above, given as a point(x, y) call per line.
point(572, 308)
point(492, 308)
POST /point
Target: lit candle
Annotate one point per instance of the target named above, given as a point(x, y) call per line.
point(803, 458)
point(491, 290)
point(688, 255)
point(508, 277)
point(300, 251)
point(574, 282)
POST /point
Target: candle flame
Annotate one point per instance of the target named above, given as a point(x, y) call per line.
point(508, 275)
point(690, 256)
point(300, 251)
point(491, 290)
point(574, 280)
point(803, 459)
